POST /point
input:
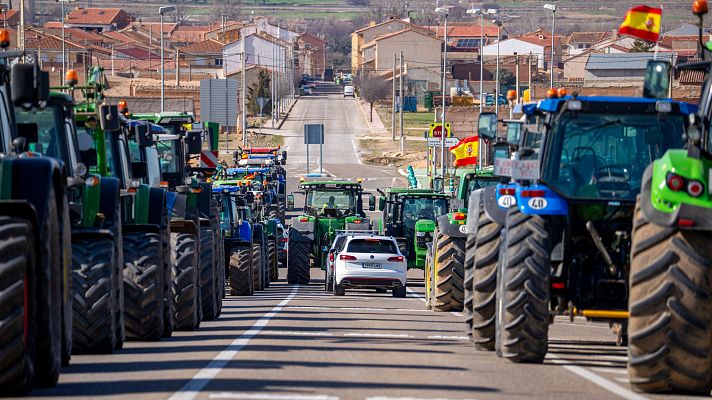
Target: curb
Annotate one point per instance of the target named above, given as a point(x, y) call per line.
point(286, 114)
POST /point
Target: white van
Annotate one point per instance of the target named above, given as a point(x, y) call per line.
point(349, 91)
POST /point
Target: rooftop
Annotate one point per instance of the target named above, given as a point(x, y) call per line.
point(629, 61)
point(93, 16)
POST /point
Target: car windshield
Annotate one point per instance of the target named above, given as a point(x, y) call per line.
point(49, 124)
point(416, 208)
point(603, 156)
point(382, 246)
point(342, 200)
point(168, 155)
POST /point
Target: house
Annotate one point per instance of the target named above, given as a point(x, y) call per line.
point(312, 54)
point(231, 32)
point(366, 35)
point(579, 42)
point(575, 66)
point(421, 52)
point(623, 68)
point(10, 18)
point(467, 36)
point(537, 43)
point(185, 35)
point(98, 19)
point(206, 53)
point(261, 49)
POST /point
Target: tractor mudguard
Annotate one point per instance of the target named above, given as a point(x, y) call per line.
point(110, 188)
point(203, 199)
point(491, 207)
point(150, 228)
point(92, 234)
point(205, 222)
point(450, 229)
point(185, 226)
point(701, 217)
point(258, 234)
point(305, 229)
point(156, 206)
point(549, 204)
point(232, 243)
point(473, 208)
point(245, 232)
point(32, 178)
point(180, 207)
point(171, 198)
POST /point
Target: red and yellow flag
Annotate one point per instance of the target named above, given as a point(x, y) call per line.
point(642, 22)
point(466, 151)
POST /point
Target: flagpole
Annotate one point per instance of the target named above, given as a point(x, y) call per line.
point(657, 42)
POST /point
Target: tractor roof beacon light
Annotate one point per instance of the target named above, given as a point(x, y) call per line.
point(4, 38)
point(71, 77)
point(561, 92)
point(699, 7)
point(551, 93)
point(123, 107)
point(511, 95)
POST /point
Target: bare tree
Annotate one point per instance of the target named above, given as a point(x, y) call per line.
point(233, 10)
point(373, 89)
point(181, 15)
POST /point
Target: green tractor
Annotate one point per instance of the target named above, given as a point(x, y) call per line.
point(669, 341)
point(329, 207)
point(35, 236)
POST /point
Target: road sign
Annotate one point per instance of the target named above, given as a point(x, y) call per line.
point(437, 142)
point(436, 129)
point(314, 134)
point(218, 101)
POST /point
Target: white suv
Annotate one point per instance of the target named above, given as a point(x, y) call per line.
point(370, 262)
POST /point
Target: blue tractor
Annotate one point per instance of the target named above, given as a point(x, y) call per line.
point(238, 241)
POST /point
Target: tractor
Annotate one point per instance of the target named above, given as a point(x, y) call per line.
point(669, 342)
point(330, 206)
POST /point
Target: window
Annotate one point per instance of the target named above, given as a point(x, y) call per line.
point(343, 200)
point(168, 154)
point(417, 208)
point(50, 133)
point(381, 246)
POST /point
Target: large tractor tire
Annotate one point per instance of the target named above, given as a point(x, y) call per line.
point(281, 211)
point(17, 279)
point(219, 267)
point(257, 267)
point(272, 256)
point(523, 289)
point(67, 291)
point(485, 254)
point(208, 275)
point(469, 267)
point(670, 325)
point(120, 303)
point(143, 285)
point(184, 267)
point(298, 263)
point(449, 273)
point(169, 317)
point(48, 358)
point(241, 280)
point(428, 275)
point(94, 296)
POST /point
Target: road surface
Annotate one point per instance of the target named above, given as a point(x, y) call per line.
point(299, 342)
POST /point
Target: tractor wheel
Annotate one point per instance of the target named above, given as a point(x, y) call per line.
point(219, 267)
point(120, 303)
point(449, 264)
point(339, 290)
point(48, 358)
point(169, 320)
point(241, 281)
point(298, 263)
point(18, 289)
point(184, 262)
point(257, 266)
point(94, 296)
point(669, 336)
point(468, 267)
point(273, 212)
point(208, 275)
point(281, 211)
point(484, 283)
point(523, 286)
point(67, 315)
point(427, 276)
point(272, 251)
point(143, 285)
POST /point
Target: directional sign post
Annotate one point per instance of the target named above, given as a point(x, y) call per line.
point(314, 134)
point(437, 142)
point(262, 102)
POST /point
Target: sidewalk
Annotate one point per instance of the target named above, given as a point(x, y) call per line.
point(376, 127)
point(267, 126)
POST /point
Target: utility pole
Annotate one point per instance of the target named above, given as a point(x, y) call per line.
point(113, 71)
point(529, 72)
point(161, 11)
point(177, 67)
point(516, 61)
point(402, 138)
point(393, 108)
point(444, 12)
point(244, 95)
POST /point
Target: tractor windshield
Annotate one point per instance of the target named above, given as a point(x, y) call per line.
point(473, 183)
point(603, 155)
point(168, 155)
point(416, 208)
point(339, 200)
point(50, 135)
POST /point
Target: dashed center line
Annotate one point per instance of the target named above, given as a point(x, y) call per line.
point(269, 396)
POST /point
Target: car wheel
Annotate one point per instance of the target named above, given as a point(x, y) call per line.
point(339, 290)
point(399, 292)
point(381, 290)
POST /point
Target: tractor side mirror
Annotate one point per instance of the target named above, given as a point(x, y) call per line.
point(284, 157)
point(290, 202)
point(487, 125)
point(381, 203)
point(194, 142)
point(657, 79)
point(87, 153)
point(143, 136)
point(371, 202)
point(514, 131)
point(109, 118)
point(24, 85)
point(139, 169)
point(500, 150)
point(29, 131)
point(438, 184)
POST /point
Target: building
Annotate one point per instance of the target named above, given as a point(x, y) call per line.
point(537, 43)
point(312, 54)
point(619, 68)
point(205, 53)
point(575, 66)
point(579, 42)
point(366, 35)
point(467, 36)
point(98, 19)
point(262, 50)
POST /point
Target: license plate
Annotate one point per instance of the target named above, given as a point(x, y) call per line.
point(372, 266)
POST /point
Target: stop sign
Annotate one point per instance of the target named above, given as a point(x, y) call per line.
point(436, 130)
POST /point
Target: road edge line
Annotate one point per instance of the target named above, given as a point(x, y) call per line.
point(198, 382)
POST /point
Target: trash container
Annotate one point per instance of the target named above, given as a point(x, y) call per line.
point(428, 102)
point(410, 104)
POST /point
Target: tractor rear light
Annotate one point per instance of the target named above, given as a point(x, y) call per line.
point(92, 181)
point(331, 257)
point(304, 219)
point(284, 240)
point(396, 259)
point(533, 193)
point(164, 184)
point(674, 182)
point(695, 188)
point(346, 257)
point(357, 221)
point(685, 223)
point(458, 216)
point(507, 191)
point(557, 285)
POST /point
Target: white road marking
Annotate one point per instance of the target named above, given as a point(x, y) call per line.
point(268, 396)
point(623, 380)
point(449, 337)
point(379, 335)
point(607, 370)
point(300, 333)
point(415, 294)
point(597, 379)
point(456, 313)
point(407, 398)
point(193, 387)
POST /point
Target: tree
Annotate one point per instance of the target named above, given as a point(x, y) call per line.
point(373, 89)
point(641, 46)
point(232, 9)
point(507, 78)
point(261, 89)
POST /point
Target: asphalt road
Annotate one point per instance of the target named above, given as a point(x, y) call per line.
point(299, 342)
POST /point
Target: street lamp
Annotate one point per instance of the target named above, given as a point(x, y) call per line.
point(3, 9)
point(161, 11)
point(442, 11)
point(64, 61)
point(496, 90)
point(482, 13)
point(552, 7)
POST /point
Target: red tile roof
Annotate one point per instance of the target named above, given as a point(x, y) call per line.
point(136, 52)
point(209, 46)
point(120, 37)
point(587, 37)
point(93, 16)
point(471, 30)
point(308, 37)
point(189, 34)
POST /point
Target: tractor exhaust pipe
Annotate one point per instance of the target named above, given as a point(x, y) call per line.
point(612, 268)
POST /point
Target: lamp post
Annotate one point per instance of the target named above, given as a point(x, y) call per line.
point(442, 11)
point(64, 51)
point(496, 90)
point(482, 13)
point(3, 9)
point(552, 7)
point(161, 11)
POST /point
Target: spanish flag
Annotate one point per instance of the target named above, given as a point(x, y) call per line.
point(642, 22)
point(466, 151)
